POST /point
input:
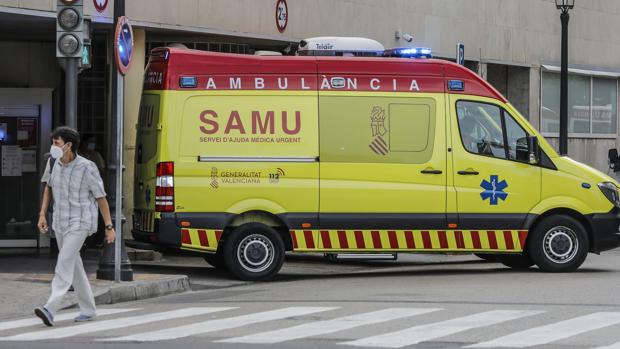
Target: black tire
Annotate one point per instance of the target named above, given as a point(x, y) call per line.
point(254, 252)
point(558, 244)
point(215, 260)
point(516, 261)
point(487, 256)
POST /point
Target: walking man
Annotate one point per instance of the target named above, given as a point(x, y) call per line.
point(77, 189)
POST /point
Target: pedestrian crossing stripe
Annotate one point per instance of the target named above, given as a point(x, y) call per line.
point(379, 240)
point(553, 332)
point(408, 240)
point(427, 332)
point(97, 326)
point(12, 324)
point(220, 324)
point(329, 326)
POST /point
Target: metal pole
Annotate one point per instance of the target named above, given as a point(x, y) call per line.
point(71, 91)
point(114, 263)
point(564, 86)
point(118, 220)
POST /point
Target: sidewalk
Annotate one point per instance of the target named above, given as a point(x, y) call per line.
point(25, 282)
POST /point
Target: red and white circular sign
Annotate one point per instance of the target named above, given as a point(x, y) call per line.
point(100, 5)
point(281, 15)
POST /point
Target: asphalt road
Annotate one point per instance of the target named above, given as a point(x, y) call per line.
point(417, 301)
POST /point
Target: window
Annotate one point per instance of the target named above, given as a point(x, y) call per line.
point(488, 130)
point(592, 104)
point(376, 130)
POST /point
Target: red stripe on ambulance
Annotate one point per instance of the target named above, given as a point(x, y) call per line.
point(376, 238)
point(327, 243)
point(294, 238)
point(202, 235)
point(185, 238)
point(309, 238)
point(426, 239)
point(359, 239)
point(443, 240)
point(342, 239)
point(393, 239)
point(492, 239)
point(508, 238)
point(522, 237)
point(475, 238)
point(409, 239)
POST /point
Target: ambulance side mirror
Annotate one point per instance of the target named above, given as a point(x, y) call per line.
point(527, 150)
point(614, 160)
point(533, 150)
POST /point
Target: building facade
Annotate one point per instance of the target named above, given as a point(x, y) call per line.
point(515, 45)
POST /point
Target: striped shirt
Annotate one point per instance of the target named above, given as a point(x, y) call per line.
point(75, 187)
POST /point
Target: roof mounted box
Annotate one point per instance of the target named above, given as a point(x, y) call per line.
point(339, 46)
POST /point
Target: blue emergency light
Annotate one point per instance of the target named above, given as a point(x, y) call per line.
point(456, 85)
point(409, 52)
point(188, 81)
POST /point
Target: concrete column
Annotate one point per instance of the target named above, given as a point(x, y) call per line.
point(133, 91)
point(535, 97)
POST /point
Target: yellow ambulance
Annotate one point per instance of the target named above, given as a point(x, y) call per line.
point(245, 157)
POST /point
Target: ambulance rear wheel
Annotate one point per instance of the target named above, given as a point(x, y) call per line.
point(516, 261)
point(254, 252)
point(558, 244)
point(216, 260)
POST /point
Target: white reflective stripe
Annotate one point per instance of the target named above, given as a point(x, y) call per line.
point(258, 159)
point(8, 325)
point(554, 332)
point(219, 324)
point(422, 333)
point(98, 326)
point(329, 326)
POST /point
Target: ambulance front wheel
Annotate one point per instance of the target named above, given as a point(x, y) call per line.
point(254, 252)
point(558, 244)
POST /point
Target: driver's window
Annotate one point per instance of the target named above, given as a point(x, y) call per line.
point(480, 126)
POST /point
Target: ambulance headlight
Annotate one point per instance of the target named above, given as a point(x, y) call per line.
point(611, 192)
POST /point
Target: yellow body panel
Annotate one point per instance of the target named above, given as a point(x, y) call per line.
point(295, 151)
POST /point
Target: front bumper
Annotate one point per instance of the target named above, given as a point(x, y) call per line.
point(605, 230)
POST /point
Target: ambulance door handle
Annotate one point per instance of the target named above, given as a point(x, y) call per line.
point(468, 173)
point(430, 171)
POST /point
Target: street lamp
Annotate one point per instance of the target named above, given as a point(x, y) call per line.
point(564, 6)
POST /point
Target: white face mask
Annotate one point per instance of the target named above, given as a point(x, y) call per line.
point(90, 146)
point(56, 152)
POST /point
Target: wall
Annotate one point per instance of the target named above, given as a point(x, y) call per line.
point(29, 64)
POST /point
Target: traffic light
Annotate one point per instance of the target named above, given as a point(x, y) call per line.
point(69, 28)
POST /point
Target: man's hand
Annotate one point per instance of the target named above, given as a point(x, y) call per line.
point(42, 224)
point(110, 236)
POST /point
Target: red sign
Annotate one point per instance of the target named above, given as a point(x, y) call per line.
point(123, 44)
point(27, 132)
point(281, 15)
point(100, 5)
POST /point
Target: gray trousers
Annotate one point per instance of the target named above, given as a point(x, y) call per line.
point(70, 270)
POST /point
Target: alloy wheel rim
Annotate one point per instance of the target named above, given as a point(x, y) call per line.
point(255, 253)
point(560, 244)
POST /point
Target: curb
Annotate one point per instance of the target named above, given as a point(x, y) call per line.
point(137, 290)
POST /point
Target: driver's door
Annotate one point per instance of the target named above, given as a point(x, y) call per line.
point(495, 185)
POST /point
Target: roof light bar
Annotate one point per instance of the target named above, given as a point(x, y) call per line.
point(409, 52)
